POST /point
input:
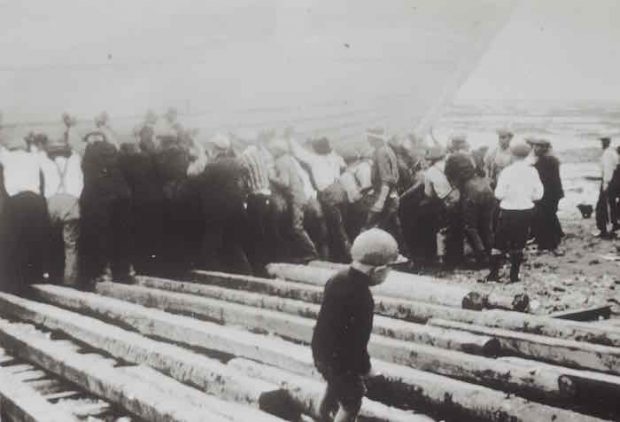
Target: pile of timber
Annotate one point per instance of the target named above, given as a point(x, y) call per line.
point(217, 346)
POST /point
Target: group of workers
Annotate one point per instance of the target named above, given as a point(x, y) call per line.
point(77, 209)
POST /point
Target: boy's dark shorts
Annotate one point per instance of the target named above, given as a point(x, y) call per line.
point(348, 390)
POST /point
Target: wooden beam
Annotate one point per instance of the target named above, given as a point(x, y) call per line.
point(292, 327)
point(560, 351)
point(591, 313)
point(186, 366)
point(209, 336)
point(141, 399)
point(21, 403)
point(307, 393)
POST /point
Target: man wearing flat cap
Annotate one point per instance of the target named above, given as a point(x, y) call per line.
point(606, 206)
point(546, 226)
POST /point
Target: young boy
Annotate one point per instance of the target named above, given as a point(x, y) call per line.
point(518, 187)
point(344, 324)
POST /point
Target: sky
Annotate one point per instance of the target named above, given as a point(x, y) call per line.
point(552, 50)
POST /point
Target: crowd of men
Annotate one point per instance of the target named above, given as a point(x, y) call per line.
point(77, 209)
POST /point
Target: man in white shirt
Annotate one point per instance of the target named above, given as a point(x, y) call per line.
point(518, 187)
point(325, 168)
point(26, 223)
point(606, 207)
point(63, 181)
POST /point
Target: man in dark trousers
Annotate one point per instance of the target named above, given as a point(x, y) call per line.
point(606, 207)
point(105, 213)
point(342, 331)
point(384, 212)
point(139, 166)
point(546, 226)
point(223, 196)
point(476, 207)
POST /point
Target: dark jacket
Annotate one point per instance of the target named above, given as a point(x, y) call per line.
point(103, 176)
point(343, 326)
point(548, 167)
point(222, 189)
point(140, 170)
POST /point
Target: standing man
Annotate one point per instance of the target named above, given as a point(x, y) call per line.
point(325, 168)
point(384, 211)
point(223, 205)
point(105, 213)
point(26, 224)
point(518, 187)
point(499, 157)
point(606, 207)
point(62, 173)
point(546, 227)
point(344, 324)
point(288, 184)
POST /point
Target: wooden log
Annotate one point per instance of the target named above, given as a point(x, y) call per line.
point(292, 327)
point(397, 308)
point(401, 284)
point(210, 336)
point(186, 366)
point(560, 351)
point(428, 393)
point(307, 393)
point(543, 325)
point(139, 398)
point(397, 285)
point(599, 392)
point(20, 402)
point(591, 313)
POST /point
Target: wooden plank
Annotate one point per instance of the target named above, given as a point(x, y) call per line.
point(442, 396)
point(32, 375)
point(63, 395)
point(184, 365)
point(86, 408)
point(560, 351)
point(20, 402)
point(307, 393)
point(292, 327)
point(591, 313)
point(274, 351)
point(154, 402)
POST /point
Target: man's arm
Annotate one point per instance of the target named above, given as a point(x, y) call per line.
point(301, 153)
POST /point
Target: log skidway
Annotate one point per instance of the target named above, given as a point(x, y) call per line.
point(209, 336)
point(443, 395)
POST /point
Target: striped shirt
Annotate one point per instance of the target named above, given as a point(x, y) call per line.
point(256, 162)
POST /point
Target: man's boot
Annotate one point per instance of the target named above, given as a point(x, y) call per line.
point(495, 262)
point(515, 265)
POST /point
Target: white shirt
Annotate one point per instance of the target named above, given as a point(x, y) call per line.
point(325, 168)
point(73, 177)
point(609, 162)
point(435, 181)
point(518, 186)
point(305, 179)
point(21, 171)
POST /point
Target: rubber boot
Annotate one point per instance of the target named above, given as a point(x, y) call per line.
point(515, 266)
point(495, 263)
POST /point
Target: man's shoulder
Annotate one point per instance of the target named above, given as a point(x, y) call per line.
point(339, 282)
